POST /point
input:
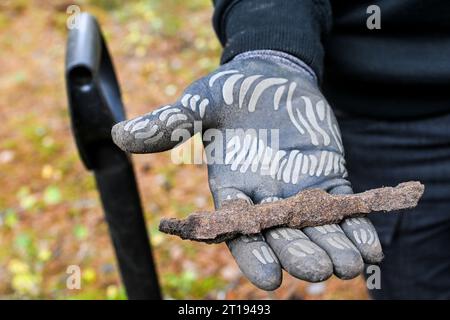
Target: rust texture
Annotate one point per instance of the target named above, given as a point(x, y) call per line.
point(308, 208)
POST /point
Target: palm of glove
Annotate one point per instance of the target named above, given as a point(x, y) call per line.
point(268, 134)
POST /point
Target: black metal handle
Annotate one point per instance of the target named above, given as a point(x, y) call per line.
point(95, 106)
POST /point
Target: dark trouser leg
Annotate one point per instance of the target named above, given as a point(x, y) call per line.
point(416, 244)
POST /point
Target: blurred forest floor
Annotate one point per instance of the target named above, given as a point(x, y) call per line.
point(50, 215)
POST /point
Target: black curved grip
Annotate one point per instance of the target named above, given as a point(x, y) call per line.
point(95, 106)
point(93, 91)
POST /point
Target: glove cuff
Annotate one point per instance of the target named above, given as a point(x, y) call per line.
point(280, 58)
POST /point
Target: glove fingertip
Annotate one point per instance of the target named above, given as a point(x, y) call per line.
point(117, 135)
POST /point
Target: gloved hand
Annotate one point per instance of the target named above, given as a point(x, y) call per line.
point(277, 93)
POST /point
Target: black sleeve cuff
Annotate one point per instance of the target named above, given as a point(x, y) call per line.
point(296, 27)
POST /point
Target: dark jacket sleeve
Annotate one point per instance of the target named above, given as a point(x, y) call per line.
point(297, 27)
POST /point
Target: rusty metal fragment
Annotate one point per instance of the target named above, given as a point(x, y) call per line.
point(308, 208)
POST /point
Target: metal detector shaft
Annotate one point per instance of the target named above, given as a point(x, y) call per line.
point(120, 198)
point(95, 106)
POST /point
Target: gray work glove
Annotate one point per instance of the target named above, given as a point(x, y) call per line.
point(298, 147)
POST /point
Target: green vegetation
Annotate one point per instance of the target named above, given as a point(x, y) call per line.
point(50, 215)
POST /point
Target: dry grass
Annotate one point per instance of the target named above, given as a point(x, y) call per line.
point(49, 211)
